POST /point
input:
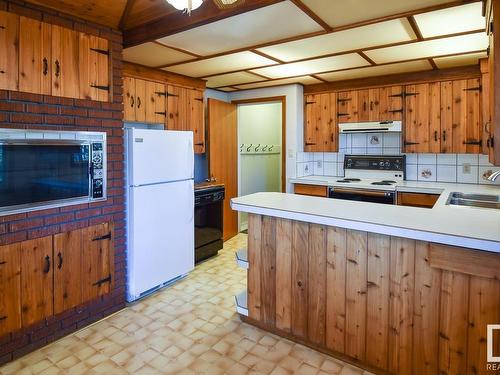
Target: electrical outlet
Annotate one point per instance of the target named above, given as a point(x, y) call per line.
point(466, 168)
point(319, 163)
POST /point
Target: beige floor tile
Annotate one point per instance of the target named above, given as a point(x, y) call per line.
point(190, 328)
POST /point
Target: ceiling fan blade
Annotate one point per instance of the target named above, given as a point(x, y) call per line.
point(226, 4)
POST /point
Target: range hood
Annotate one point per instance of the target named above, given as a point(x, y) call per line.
point(370, 127)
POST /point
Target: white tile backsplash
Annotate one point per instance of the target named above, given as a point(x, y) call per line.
point(461, 168)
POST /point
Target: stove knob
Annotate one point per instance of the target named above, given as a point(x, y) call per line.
point(387, 164)
point(381, 164)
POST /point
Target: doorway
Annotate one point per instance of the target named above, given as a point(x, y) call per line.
point(259, 150)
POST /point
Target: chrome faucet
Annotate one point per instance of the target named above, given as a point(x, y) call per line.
point(494, 175)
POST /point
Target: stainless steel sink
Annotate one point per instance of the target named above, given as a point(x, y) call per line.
point(474, 200)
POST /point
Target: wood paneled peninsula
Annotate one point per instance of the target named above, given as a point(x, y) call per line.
point(393, 289)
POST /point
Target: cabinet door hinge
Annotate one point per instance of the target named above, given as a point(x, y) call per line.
point(342, 114)
point(103, 281)
point(308, 103)
point(408, 143)
point(101, 51)
point(159, 93)
point(400, 95)
point(344, 100)
point(405, 94)
point(169, 94)
point(478, 88)
point(476, 143)
point(99, 87)
point(104, 237)
point(161, 113)
point(199, 99)
point(396, 110)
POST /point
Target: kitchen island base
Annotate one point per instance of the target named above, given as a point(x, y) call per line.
point(384, 303)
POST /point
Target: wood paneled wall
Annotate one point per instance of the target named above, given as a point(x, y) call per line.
point(386, 303)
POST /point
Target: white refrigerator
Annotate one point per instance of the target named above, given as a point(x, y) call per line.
point(160, 208)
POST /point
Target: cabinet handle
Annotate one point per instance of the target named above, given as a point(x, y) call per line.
point(2, 71)
point(3, 262)
point(60, 260)
point(364, 106)
point(106, 236)
point(47, 264)
point(58, 68)
point(3, 317)
point(132, 101)
point(444, 135)
point(435, 135)
point(332, 137)
point(371, 106)
point(138, 102)
point(45, 66)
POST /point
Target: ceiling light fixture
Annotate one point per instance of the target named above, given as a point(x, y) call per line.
point(185, 5)
point(225, 4)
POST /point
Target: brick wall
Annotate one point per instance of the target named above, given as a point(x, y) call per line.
point(29, 111)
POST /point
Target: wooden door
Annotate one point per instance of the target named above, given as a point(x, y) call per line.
point(177, 108)
point(9, 56)
point(36, 280)
point(35, 69)
point(391, 103)
point(223, 157)
point(67, 270)
point(347, 106)
point(129, 99)
point(97, 261)
point(10, 288)
point(65, 62)
point(140, 100)
point(363, 105)
point(196, 120)
point(416, 130)
point(374, 105)
point(93, 67)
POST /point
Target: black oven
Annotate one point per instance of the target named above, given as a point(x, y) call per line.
point(43, 169)
point(363, 195)
point(208, 221)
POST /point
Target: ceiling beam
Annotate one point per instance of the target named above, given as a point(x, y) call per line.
point(176, 22)
point(418, 33)
point(125, 14)
point(304, 8)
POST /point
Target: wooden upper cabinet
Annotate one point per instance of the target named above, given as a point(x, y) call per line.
point(9, 56)
point(35, 56)
point(347, 106)
point(10, 288)
point(155, 103)
point(177, 108)
point(320, 127)
point(36, 280)
point(196, 119)
point(461, 130)
point(391, 103)
point(65, 62)
point(93, 67)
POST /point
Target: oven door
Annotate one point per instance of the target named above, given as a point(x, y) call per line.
point(43, 173)
point(363, 195)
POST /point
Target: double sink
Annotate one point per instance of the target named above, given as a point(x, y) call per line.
point(474, 200)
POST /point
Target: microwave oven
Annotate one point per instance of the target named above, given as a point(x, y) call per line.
point(42, 169)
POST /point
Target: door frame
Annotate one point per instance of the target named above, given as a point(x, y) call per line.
point(281, 99)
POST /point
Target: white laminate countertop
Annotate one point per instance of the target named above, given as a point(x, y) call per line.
point(471, 227)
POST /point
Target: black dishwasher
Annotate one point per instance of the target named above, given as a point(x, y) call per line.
point(208, 221)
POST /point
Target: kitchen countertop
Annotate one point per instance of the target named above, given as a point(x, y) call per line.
point(471, 227)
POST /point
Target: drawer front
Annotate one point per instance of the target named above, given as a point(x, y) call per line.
point(314, 190)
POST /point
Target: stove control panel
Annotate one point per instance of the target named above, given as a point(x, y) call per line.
point(375, 163)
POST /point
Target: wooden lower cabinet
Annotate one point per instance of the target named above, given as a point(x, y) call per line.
point(49, 275)
point(314, 190)
point(10, 288)
point(388, 304)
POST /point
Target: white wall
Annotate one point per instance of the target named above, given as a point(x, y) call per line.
point(294, 120)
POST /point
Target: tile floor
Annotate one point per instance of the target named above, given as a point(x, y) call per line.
point(189, 328)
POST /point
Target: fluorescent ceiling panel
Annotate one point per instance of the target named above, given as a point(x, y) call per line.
point(232, 79)
point(305, 80)
point(345, 12)
point(152, 54)
point(274, 22)
point(451, 20)
point(382, 70)
point(436, 47)
point(361, 37)
point(459, 60)
point(221, 64)
point(324, 64)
